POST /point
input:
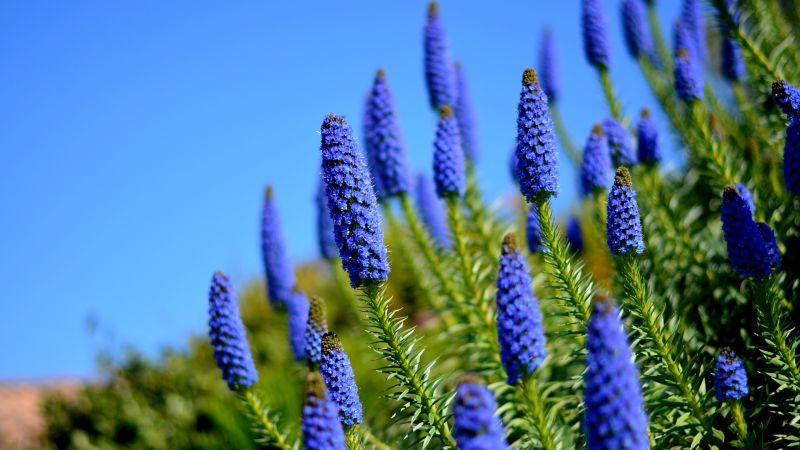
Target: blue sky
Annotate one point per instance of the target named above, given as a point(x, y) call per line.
point(136, 139)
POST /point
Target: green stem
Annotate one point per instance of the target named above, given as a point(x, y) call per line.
point(481, 221)
point(401, 362)
point(658, 37)
point(563, 136)
point(639, 305)
point(467, 273)
point(534, 402)
point(260, 421)
point(569, 279)
point(352, 438)
point(738, 420)
point(368, 436)
point(611, 96)
point(425, 244)
point(770, 315)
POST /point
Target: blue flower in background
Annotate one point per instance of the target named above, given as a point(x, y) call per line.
point(340, 380)
point(533, 230)
point(519, 321)
point(748, 250)
point(648, 147)
point(791, 158)
point(439, 70)
point(227, 335)
point(278, 267)
point(692, 16)
point(465, 115)
point(388, 159)
point(476, 426)
point(352, 205)
point(448, 157)
point(614, 416)
point(537, 156)
point(596, 166)
point(638, 38)
point(432, 212)
point(619, 143)
point(732, 62)
point(688, 79)
point(624, 228)
point(297, 309)
point(320, 424)
point(316, 327)
point(730, 378)
point(595, 34)
point(327, 245)
point(574, 234)
point(788, 98)
point(548, 66)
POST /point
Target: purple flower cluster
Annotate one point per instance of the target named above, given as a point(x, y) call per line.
point(788, 97)
point(352, 205)
point(388, 158)
point(316, 327)
point(320, 425)
point(595, 34)
point(227, 335)
point(278, 267)
point(297, 309)
point(430, 208)
point(648, 148)
point(537, 156)
point(624, 229)
point(574, 234)
point(596, 166)
point(752, 248)
point(730, 378)
point(619, 142)
point(340, 380)
point(477, 427)
point(439, 70)
point(548, 66)
point(638, 38)
point(614, 416)
point(519, 321)
point(448, 157)
point(465, 115)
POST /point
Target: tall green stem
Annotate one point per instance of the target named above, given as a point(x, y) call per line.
point(738, 420)
point(563, 136)
point(533, 397)
point(611, 96)
point(402, 364)
point(770, 315)
point(260, 421)
point(651, 328)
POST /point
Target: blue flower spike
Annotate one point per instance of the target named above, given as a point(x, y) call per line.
point(327, 245)
point(277, 266)
point(440, 74)
point(624, 227)
point(596, 166)
point(432, 211)
point(389, 159)
point(340, 380)
point(477, 427)
point(614, 417)
point(297, 311)
point(596, 44)
point(688, 80)
point(648, 147)
point(638, 38)
point(320, 424)
point(548, 67)
point(448, 157)
point(730, 378)
point(228, 337)
point(352, 205)
point(619, 143)
point(752, 248)
point(519, 321)
point(465, 115)
point(788, 98)
point(574, 234)
point(537, 156)
point(316, 327)
point(533, 231)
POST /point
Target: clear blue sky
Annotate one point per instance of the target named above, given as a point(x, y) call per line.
point(136, 139)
